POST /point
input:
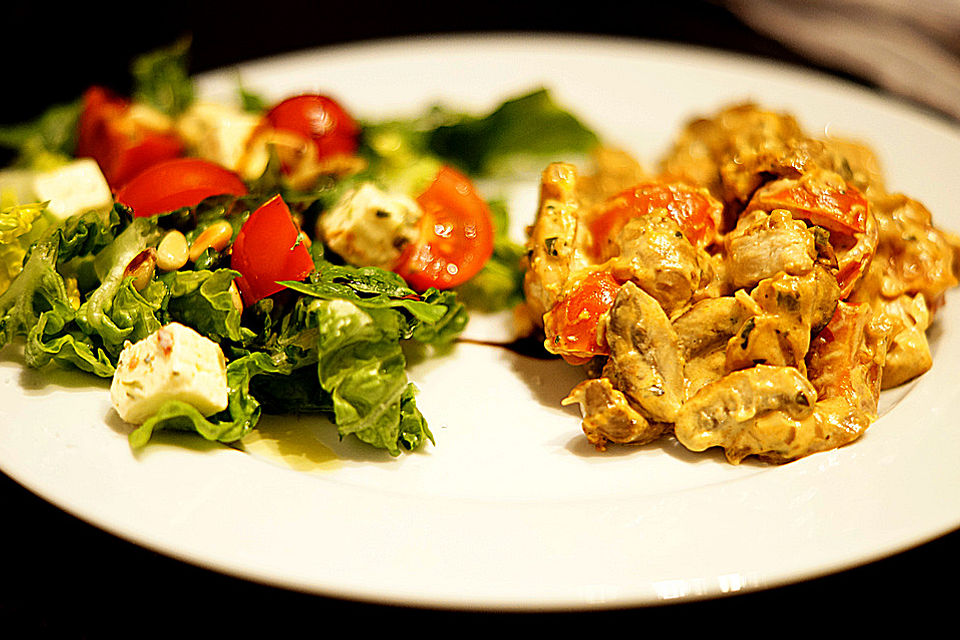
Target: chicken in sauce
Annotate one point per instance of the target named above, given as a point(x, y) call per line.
point(755, 293)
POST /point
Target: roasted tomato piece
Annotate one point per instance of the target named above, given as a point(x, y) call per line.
point(821, 198)
point(456, 235)
point(854, 254)
point(824, 199)
point(570, 327)
point(697, 212)
point(121, 144)
point(177, 183)
point(269, 249)
point(318, 118)
point(843, 358)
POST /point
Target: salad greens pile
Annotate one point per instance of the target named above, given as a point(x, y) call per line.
point(332, 344)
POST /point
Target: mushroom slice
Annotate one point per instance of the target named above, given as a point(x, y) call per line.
point(727, 413)
point(704, 331)
point(645, 361)
point(609, 417)
point(908, 355)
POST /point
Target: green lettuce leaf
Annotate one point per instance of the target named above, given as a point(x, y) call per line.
point(527, 128)
point(521, 131)
point(361, 366)
point(40, 306)
point(241, 415)
point(47, 141)
point(348, 326)
point(431, 317)
point(161, 78)
point(20, 226)
point(104, 312)
point(203, 300)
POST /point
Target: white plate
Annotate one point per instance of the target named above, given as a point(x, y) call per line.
point(512, 509)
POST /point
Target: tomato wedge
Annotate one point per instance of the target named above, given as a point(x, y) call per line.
point(570, 327)
point(268, 249)
point(122, 146)
point(177, 183)
point(456, 235)
point(318, 118)
point(831, 204)
point(697, 212)
point(841, 361)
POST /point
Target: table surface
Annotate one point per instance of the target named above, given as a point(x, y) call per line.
point(61, 575)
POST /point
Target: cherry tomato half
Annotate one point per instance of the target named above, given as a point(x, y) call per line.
point(268, 249)
point(456, 235)
point(120, 145)
point(177, 183)
point(318, 118)
point(697, 212)
point(570, 327)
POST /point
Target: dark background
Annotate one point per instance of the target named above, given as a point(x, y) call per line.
point(53, 55)
point(63, 578)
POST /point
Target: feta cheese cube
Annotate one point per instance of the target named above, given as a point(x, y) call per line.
point(370, 227)
point(220, 133)
point(74, 188)
point(173, 363)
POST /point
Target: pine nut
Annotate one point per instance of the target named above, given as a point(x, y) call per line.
point(217, 236)
point(172, 252)
point(141, 268)
point(235, 295)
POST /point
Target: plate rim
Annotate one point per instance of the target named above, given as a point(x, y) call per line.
point(540, 39)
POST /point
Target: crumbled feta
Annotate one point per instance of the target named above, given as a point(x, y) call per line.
point(220, 133)
point(173, 363)
point(74, 188)
point(369, 226)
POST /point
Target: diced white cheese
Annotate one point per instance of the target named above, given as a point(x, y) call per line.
point(370, 227)
point(173, 363)
point(74, 188)
point(144, 116)
point(219, 133)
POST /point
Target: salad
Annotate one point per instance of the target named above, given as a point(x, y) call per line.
point(218, 261)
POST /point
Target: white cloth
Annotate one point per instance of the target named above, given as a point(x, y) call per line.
point(909, 47)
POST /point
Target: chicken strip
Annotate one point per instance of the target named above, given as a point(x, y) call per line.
point(703, 331)
point(908, 354)
point(753, 411)
point(788, 310)
point(653, 252)
point(552, 247)
point(764, 244)
point(727, 413)
point(912, 255)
